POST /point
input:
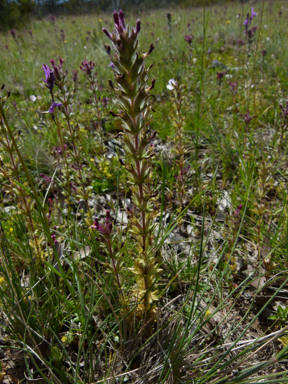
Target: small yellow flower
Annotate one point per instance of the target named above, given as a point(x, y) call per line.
point(284, 341)
point(27, 298)
point(228, 22)
point(64, 339)
point(65, 41)
point(92, 160)
point(11, 230)
point(208, 313)
point(2, 280)
point(100, 20)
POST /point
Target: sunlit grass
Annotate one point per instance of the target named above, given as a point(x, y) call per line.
point(220, 237)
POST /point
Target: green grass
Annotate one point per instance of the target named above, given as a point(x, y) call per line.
point(218, 317)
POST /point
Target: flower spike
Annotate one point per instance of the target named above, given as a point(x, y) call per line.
point(133, 94)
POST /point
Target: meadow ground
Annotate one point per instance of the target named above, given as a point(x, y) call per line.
point(150, 244)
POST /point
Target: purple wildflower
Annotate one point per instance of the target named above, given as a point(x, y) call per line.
point(246, 22)
point(59, 150)
point(247, 118)
point(13, 102)
point(248, 19)
point(250, 33)
point(122, 19)
point(107, 229)
point(111, 65)
point(138, 27)
point(77, 167)
point(189, 38)
point(73, 187)
point(54, 105)
point(220, 76)
point(53, 236)
point(50, 79)
point(237, 212)
point(120, 26)
point(233, 86)
point(52, 18)
point(63, 36)
point(87, 67)
point(57, 69)
point(182, 175)
point(284, 110)
point(46, 178)
point(110, 36)
point(209, 51)
point(253, 13)
point(264, 52)
point(13, 33)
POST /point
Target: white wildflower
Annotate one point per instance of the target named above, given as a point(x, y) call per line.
point(171, 84)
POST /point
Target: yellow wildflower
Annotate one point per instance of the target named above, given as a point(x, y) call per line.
point(284, 341)
point(64, 339)
point(208, 313)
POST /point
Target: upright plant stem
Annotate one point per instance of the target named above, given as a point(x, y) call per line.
point(199, 99)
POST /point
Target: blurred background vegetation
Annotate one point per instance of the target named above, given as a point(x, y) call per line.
point(17, 13)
